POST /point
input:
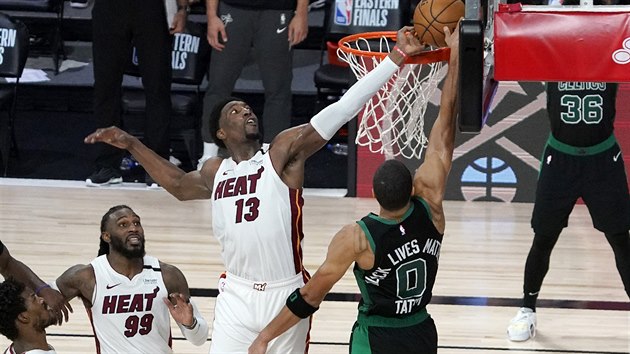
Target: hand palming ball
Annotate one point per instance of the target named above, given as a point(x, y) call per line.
point(430, 17)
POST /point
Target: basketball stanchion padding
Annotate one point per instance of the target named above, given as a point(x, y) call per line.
point(573, 44)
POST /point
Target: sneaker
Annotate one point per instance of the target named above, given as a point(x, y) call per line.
point(103, 177)
point(523, 326)
point(79, 4)
point(174, 160)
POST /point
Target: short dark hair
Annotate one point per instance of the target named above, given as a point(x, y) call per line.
point(215, 116)
point(392, 184)
point(103, 247)
point(11, 305)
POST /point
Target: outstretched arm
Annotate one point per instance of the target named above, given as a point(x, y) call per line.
point(430, 178)
point(11, 267)
point(295, 145)
point(347, 246)
point(182, 185)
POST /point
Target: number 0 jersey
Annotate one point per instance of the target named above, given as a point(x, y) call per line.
point(406, 257)
point(128, 316)
point(257, 219)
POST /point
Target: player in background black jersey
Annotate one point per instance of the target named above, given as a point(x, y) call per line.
point(581, 160)
point(395, 252)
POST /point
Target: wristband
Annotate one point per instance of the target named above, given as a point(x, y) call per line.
point(299, 307)
point(193, 324)
point(40, 288)
point(404, 55)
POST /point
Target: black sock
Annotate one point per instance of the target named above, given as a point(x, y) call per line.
point(536, 267)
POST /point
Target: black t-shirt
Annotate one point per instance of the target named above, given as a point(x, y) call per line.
point(263, 4)
point(1, 247)
point(581, 113)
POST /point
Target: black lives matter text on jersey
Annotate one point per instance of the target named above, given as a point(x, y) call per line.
point(411, 248)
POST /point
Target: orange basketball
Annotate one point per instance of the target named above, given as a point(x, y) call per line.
point(431, 16)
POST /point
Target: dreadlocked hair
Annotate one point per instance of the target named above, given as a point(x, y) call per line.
point(103, 247)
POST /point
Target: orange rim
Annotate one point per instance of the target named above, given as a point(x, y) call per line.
point(430, 56)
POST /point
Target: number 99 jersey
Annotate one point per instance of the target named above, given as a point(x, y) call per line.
point(128, 315)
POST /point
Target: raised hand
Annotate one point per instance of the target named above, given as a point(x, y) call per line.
point(57, 303)
point(113, 136)
point(408, 42)
point(452, 39)
point(180, 308)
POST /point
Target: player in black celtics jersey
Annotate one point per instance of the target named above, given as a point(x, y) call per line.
point(395, 253)
point(581, 160)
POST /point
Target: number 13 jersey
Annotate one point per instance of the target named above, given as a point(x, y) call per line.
point(257, 219)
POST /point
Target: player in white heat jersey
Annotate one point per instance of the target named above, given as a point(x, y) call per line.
point(129, 295)
point(257, 203)
point(24, 317)
point(243, 219)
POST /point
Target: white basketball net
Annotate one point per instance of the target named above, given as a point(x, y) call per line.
point(392, 122)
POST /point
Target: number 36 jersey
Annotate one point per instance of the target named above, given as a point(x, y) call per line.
point(128, 315)
point(257, 219)
point(581, 113)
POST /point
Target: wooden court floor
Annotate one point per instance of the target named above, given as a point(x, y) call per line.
point(51, 225)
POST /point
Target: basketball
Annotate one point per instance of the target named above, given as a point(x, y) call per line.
point(431, 16)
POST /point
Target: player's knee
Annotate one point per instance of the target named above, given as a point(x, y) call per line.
point(544, 242)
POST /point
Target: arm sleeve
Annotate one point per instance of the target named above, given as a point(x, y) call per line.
point(199, 334)
point(328, 121)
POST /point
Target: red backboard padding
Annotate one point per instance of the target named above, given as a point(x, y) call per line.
point(367, 164)
point(561, 45)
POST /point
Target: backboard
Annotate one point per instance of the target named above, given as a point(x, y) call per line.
point(476, 85)
point(537, 43)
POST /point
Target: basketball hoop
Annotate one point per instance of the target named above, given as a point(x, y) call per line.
point(392, 122)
